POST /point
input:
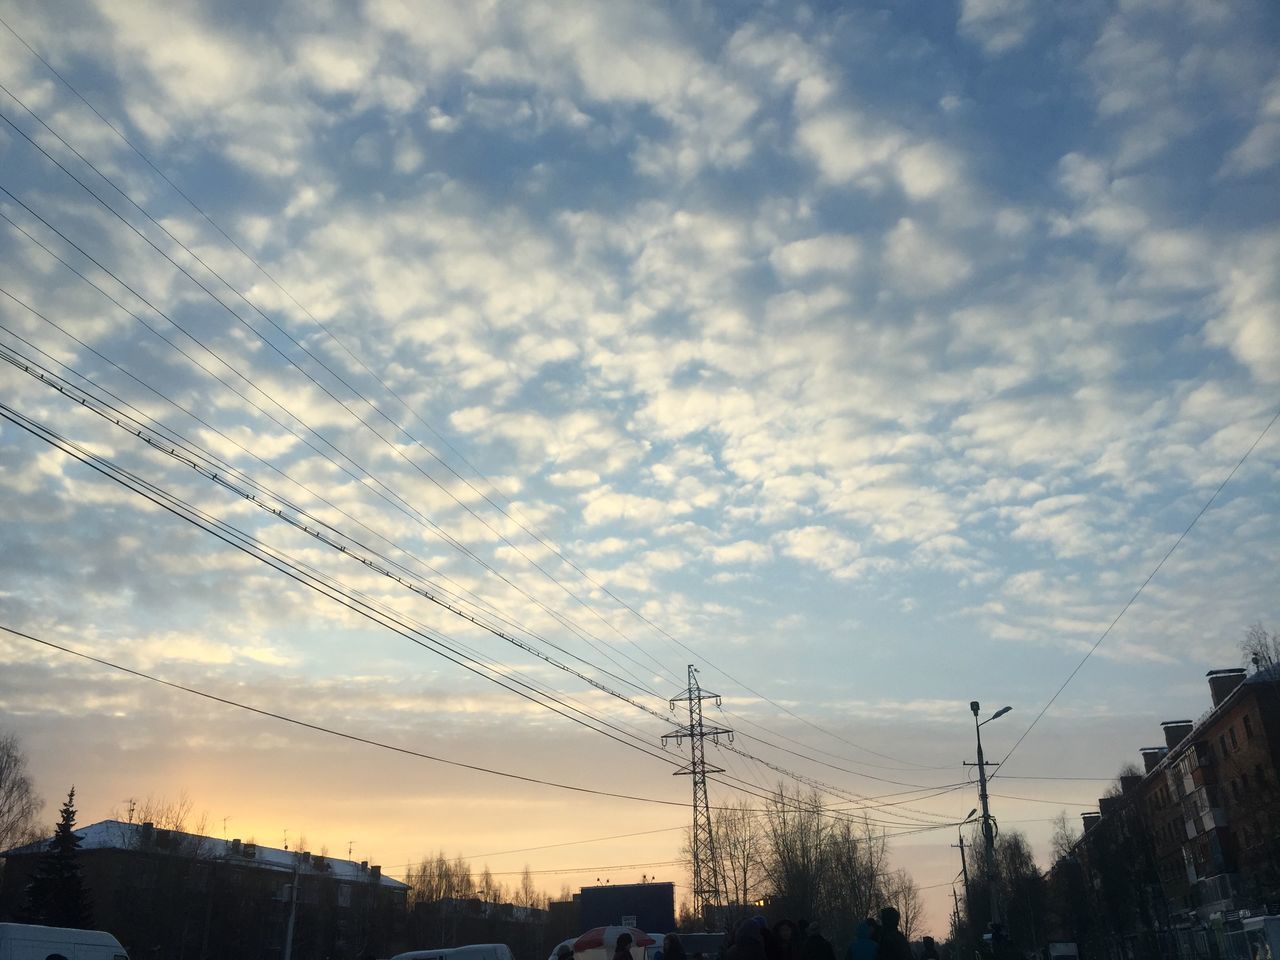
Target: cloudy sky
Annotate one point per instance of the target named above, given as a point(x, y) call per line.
point(868, 356)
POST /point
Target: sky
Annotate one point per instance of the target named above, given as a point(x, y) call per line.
point(867, 356)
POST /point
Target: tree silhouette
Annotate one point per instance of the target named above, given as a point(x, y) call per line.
point(56, 895)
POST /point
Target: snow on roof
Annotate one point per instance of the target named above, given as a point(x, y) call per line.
point(118, 835)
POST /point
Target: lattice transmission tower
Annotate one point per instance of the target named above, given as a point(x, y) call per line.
point(708, 885)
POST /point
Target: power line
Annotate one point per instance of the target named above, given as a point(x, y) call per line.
point(398, 502)
point(393, 447)
point(574, 843)
point(370, 610)
point(329, 731)
point(1062, 803)
point(279, 561)
point(113, 415)
point(532, 533)
point(1151, 576)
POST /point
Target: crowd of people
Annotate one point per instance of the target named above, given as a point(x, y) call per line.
point(755, 939)
point(875, 939)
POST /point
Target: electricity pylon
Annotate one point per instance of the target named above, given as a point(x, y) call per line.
point(708, 885)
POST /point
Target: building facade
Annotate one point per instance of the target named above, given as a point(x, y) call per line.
point(1178, 854)
point(171, 894)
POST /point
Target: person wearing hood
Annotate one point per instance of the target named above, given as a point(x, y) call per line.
point(747, 943)
point(622, 949)
point(893, 943)
point(785, 940)
point(816, 946)
point(864, 945)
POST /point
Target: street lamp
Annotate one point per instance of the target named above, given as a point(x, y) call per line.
point(988, 832)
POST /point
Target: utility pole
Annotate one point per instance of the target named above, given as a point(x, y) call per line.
point(988, 824)
point(293, 906)
point(964, 868)
point(707, 882)
point(958, 923)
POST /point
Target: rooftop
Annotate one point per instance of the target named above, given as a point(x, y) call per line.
point(119, 835)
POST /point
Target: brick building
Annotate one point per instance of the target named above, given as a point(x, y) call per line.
point(165, 893)
point(1176, 855)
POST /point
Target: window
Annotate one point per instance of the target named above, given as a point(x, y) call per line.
point(1248, 728)
point(1222, 744)
point(1232, 731)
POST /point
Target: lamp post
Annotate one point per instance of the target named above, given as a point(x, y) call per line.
point(988, 831)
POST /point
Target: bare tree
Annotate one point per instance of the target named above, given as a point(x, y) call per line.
point(166, 814)
point(740, 847)
point(796, 832)
point(18, 801)
point(487, 889)
point(855, 862)
point(527, 895)
point(1064, 836)
point(1260, 647)
point(901, 891)
point(176, 815)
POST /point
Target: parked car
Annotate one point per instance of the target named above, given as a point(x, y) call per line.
point(26, 941)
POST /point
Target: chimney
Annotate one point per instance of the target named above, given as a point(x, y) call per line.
point(235, 847)
point(306, 858)
point(1151, 757)
point(1223, 682)
point(1175, 731)
point(1089, 820)
point(1129, 782)
point(375, 872)
point(148, 835)
point(250, 851)
point(1108, 805)
point(364, 865)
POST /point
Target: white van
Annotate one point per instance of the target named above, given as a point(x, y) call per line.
point(474, 951)
point(25, 941)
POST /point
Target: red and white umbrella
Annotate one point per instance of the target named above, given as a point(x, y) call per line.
point(607, 938)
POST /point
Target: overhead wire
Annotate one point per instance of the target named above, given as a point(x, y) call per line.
point(531, 532)
point(389, 496)
point(1137, 593)
point(280, 561)
point(392, 446)
point(319, 583)
point(108, 412)
point(330, 731)
point(181, 441)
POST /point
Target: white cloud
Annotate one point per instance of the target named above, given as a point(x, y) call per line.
point(920, 261)
point(575, 478)
point(825, 548)
point(741, 551)
point(1248, 323)
point(996, 25)
point(926, 171)
point(849, 148)
point(1260, 149)
point(834, 253)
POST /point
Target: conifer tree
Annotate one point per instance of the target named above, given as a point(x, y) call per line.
point(56, 895)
